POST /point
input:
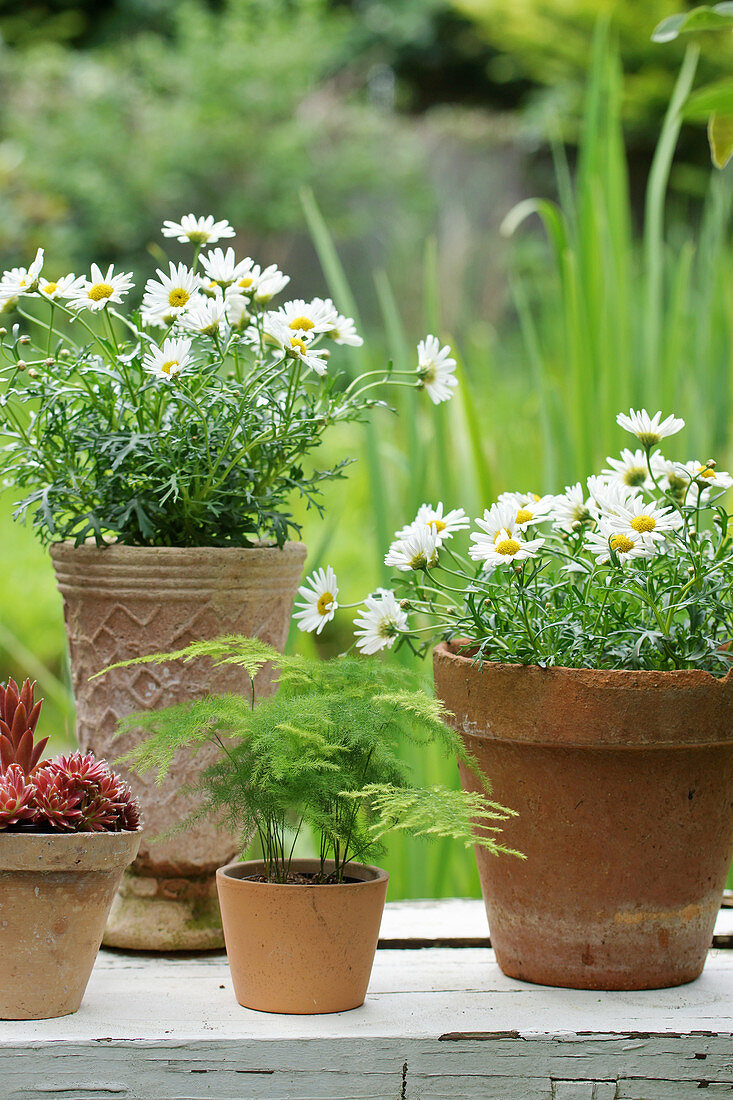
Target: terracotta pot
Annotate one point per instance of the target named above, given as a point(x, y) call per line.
point(56, 890)
point(301, 949)
point(623, 782)
point(127, 601)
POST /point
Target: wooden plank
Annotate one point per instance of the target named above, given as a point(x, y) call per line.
point(439, 1024)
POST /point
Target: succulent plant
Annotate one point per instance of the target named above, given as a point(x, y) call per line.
point(18, 719)
point(74, 793)
point(16, 797)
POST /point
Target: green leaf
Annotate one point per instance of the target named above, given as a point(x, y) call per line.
point(704, 18)
point(712, 97)
point(720, 136)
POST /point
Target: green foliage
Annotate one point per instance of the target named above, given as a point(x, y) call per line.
point(550, 41)
point(714, 100)
point(206, 455)
point(322, 753)
point(230, 109)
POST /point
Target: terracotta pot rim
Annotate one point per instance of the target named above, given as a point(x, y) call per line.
point(375, 875)
point(66, 545)
point(76, 852)
point(626, 676)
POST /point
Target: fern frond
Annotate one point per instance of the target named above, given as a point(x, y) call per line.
point(465, 816)
point(250, 654)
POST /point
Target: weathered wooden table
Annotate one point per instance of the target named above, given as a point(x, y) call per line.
point(441, 1021)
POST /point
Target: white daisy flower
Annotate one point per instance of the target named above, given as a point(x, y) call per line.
point(572, 509)
point(344, 329)
point(443, 524)
point(292, 343)
point(169, 360)
point(95, 292)
point(62, 287)
point(530, 508)
point(627, 545)
point(417, 550)
point(695, 482)
point(508, 546)
point(204, 315)
point(499, 517)
point(247, 277)
point(270, 283)
point(21, 280)
point(630, 469)
point(608, 493)
point(168, 295)
point(435, 369)
point(197, 230)
point(221, 269)
point(649, 429)
point(640, 517)
point(237, 307)
point(381, 623)
point(319, 594)
point(309, 317)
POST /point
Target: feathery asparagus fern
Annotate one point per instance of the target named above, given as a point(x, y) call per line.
point(322, 753)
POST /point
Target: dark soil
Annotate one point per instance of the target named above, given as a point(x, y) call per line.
point(310, 878)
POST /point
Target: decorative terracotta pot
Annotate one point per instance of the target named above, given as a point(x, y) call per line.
point(56, 890)
point(301, 949)
point(623, 782)
point(126, 601)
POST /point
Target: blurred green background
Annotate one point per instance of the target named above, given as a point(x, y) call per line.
point(377, 151)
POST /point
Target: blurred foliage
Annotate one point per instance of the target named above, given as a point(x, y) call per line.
point(549, 42)
point(232, 113)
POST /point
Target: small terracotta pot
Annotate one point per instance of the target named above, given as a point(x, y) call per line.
point(56, 890)
point(122, 602)
point(301, 949)
point(623, 782)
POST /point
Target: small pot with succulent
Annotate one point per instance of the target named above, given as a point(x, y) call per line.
point(586, 657)
point(68, 829)
point(321, 757)
point(158, 449)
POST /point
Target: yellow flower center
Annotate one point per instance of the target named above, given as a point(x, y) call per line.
point(50, 288)
point(303, 323)
point(621, 544)
point(246, 283)
point(437, 525)
point(508, 547)
point(635, 475)
point(324, 603)
point(706, 471)
point(168, 366)
point(301, 345)
point(524, 515)
point(643, 524)
point(178, 297)
point(198, 236)
point(100, 291)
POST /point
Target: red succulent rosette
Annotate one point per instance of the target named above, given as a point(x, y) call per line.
point(17, 794)
point(18, 719)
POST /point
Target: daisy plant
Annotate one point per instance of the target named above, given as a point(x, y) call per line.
point(183, 416)
point(632, 570)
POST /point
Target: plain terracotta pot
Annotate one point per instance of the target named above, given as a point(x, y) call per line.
point(623, 782)
point(301, 949)
point(56, 890)
point(126, 601)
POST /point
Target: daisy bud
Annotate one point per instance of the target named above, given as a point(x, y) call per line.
point(21, 364)
point(24, 339)
point(64, 353)
point(33, 373)
point(405, 605)
point(3, 333)
point(49, 362)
